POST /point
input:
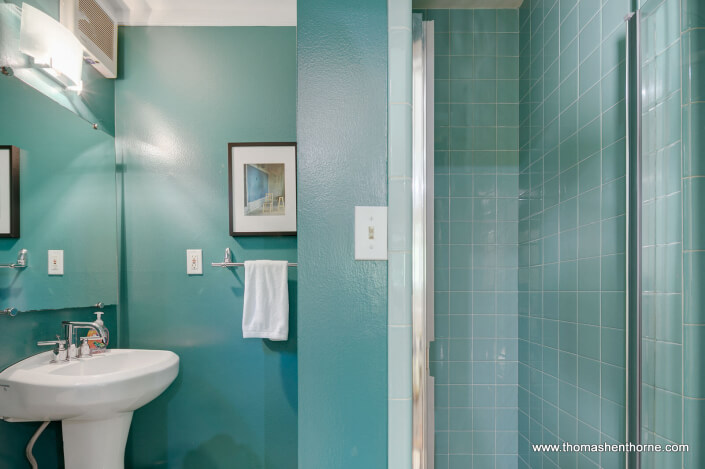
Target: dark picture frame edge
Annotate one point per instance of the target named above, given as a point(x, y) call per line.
point(230, 186)
point(14, 192)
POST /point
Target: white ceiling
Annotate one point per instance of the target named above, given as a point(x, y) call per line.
point(202, 12)
point(468, 3)
point(242, 12)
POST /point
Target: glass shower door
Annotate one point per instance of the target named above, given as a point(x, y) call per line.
point(661, 235)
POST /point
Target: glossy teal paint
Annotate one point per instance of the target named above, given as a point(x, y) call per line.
point(67, 201)
point(18, 339)
point(342, 122)
point(182, 95)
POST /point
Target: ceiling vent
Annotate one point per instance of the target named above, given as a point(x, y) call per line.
point(96, 30)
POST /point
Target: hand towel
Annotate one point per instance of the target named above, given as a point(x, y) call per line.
point(266, 310)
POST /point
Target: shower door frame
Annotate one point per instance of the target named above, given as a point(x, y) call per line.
point(634, 244)
point(422, 243)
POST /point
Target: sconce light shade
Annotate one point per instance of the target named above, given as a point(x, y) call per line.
point(54, 48)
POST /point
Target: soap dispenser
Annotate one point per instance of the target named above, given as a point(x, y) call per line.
point(97, 346)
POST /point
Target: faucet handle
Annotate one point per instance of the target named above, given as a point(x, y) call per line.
point(59, 352)
point(58, 342)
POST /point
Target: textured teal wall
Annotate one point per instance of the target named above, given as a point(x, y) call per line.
point(474, 358)
point(182, 95)
point(572, 229)
point(342, 122)
point(67, 201)
point(18, 340)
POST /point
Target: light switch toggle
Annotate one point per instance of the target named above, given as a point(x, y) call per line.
point(371, 233)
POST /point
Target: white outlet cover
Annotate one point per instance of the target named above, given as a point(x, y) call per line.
point(194, 262)
point(56, 262)
point(371, 233)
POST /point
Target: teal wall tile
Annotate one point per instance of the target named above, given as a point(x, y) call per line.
point(693, 14)
point(693, 348)
point(400, 426)
point(481, 186)
point(693, 222)
point(399, 288)
point(400, 140)
point(694, 415)
point(693, 278)
point(399, 218)
point(399, 64)
point(399, 362)
point(575, 187)
point(694, 117)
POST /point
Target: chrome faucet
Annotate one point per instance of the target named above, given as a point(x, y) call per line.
point(70, 328)
point(59, 352)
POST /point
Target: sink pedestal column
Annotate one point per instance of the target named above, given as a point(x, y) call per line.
point(96, 444)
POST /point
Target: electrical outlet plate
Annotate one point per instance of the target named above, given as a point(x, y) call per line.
point(371, 233)
point(194, 262)
point(56, 262)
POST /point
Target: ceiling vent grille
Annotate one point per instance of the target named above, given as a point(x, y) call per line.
point(97, 26)
point(96, 30)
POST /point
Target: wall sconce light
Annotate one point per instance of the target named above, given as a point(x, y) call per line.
point(54, 49)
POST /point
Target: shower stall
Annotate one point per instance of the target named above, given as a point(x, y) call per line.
point(559, 251)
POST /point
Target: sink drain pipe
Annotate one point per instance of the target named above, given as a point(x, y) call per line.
point(30, 445)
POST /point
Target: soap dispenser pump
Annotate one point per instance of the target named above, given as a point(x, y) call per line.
point(96, 345)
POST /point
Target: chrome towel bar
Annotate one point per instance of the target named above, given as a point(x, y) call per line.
point(21, 261)
point(227, 261)
point(12, 312)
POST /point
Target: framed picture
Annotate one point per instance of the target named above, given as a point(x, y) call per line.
point(9, 192)
point(262, 181)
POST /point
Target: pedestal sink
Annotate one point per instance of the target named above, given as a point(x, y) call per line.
point(93, 397)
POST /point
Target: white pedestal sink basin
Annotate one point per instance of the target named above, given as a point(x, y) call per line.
point(93, 397)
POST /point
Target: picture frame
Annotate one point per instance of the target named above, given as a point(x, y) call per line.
point(9, 191)
point(262, 188)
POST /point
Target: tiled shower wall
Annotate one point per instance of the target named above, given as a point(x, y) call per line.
point(572, 230)
point(474, 357)
point(693, 186)
point(399, 350)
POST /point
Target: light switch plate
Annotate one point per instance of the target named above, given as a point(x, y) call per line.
point(371, 233)
point(56, 262)
point(194, 261)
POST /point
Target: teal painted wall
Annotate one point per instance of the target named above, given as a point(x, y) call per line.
point(474, 357)
point(182, 95)
point(18, 339)
point(67, 201)
point(342, 123)
point(572, 229)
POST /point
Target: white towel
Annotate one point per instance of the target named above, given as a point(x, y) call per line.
point(266, 310)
